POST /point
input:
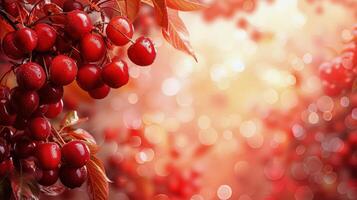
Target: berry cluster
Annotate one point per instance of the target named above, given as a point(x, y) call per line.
point(51, 46)
point(32, 153)
point(54, 55)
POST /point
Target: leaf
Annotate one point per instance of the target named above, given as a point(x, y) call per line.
point(53, 190)
point(186, 5)
point(24, 187)
point(81, 134)
point(98, 182)
point(161, 13)
point(72, 119)
point(177, 35)
point(132, 8)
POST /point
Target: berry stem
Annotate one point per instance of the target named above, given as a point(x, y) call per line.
point(59, 137)
point(103, 2)
point(114, 9)
point(31, 11)
point(5, 16)
point(119, 32)
point(45, 17)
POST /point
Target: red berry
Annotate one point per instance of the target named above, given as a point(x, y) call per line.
point(48, 155)
point(89, 77)
point(4, 150)
point(142, 52)
point(78, 24)
point(26, 39)
point(40, 128)
point(115, 74)
point(24, 148)
point(70, 5)
point(54, 109)
point(7, 118)
point(46, 177)
point(50, 93)
point(46, 37)
point(72, 177)
point(75, 154)
point(63, 70)
point(24, 102)
point(92, 47)
point(119, 31)
point(30, 76)
point(9, 48)
point(100, 92)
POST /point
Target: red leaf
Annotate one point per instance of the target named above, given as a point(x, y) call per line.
point(177, 35)
point(132, 8)
point(186, 5)
point(161, 13)
point(98, 183)
point(24, 187)
point(83, 135)
point(53, 190)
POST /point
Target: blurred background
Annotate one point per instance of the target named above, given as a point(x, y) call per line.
point(187, 130)
point(248, 121)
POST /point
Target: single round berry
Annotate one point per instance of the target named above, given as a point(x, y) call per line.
point(142, 52)
point(78, 24)
point(4, 150)
point(9, 48)
point(92, 47)
point(100, 92)
point(50, 93)
point(119, 31)
point(40, 128)
point(46, 37)
point(75, 154)
point(115, 74)
point(30, 76)
point(24, 148)
point(72, 177)
point(53, 110)
point(48, 155)
point(89, 77)
point(46, 177)
point(24, 102)
point(63, 70)
point(70, 5)
point(26, 39)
